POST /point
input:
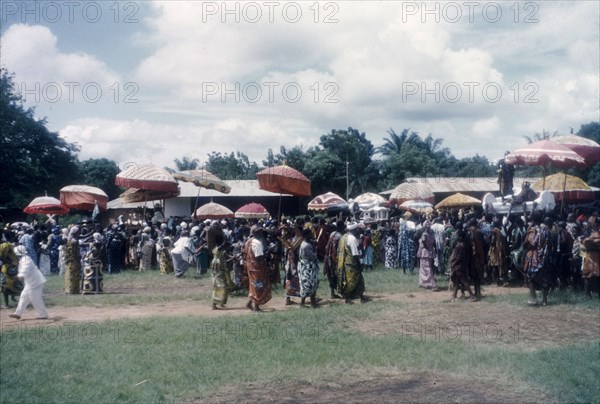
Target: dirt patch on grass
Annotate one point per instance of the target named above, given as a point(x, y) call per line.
point(522, 328)
point(423, 387)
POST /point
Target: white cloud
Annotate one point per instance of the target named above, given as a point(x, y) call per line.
point(32, 52)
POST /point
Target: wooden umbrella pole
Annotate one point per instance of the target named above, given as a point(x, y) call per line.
point(562, 199)
point(279, 209)
point(196, 203)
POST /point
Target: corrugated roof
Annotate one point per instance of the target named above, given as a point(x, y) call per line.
point(440, 185)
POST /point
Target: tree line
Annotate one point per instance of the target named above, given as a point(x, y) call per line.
point(34, 160)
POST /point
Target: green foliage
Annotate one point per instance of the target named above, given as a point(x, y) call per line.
point(186, 163)
point(33, 160)
point(353, 147)
point(232, 166)
point(100, 173)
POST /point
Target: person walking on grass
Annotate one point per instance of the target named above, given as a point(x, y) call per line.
point(259, 282)
point(221, 278)
point(34, 281)
point(331, 257)
point(459, 264)
point(426, 254)
point(539, 248)
point(351, 284)
point(308, 269)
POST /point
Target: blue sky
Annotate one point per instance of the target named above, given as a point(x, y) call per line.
point(147, 81)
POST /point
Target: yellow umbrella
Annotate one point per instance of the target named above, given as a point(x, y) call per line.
point(566, 188)
point(458, 200)
point(561, 182)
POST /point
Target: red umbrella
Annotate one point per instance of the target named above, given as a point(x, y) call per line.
point(213, 211)
point(83, 197)
point(322, 202)
point(409, 191)
point(252, 211)
point(283, 180)
point(148, 177)
point(586, 148)
point(545, 152)
point(46, 205)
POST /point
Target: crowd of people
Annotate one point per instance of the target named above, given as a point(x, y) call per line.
point(470, 248)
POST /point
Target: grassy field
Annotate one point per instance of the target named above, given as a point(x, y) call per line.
point(243, 357)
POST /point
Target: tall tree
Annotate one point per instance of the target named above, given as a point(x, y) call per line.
point(233, 166)
point(33, 160)
point(186, 163)
point(353, 148)
point(100, 173)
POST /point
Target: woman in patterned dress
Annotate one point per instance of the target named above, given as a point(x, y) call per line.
point(308, 270)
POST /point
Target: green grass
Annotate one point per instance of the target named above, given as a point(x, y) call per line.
point(186, 358)
point(181, 358)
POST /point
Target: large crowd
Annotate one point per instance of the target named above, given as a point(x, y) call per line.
point(471, 248)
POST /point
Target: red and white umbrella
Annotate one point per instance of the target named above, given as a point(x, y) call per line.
point(46, 205)
point(322, 202)
point(416, 206)
point(586, 148)
point(252, 211)
point(147, 177)
point(83, 197)
point(284, 180)
point(213, 210)
point(545, 152)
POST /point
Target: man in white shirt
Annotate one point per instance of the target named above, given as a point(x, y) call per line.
point(34, 283)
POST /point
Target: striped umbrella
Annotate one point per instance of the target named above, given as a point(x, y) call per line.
point(409, 191)
point(586, 148)
point(147, 177)
point(323, 201)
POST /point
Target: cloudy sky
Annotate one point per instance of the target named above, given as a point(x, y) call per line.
point(151, 81)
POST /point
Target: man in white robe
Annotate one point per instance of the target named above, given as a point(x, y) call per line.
point(34, 281)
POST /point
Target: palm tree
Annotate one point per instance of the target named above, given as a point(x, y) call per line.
point(186, 164)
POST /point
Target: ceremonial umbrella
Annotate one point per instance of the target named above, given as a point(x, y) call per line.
point(586, 148)
point(147, 177)
point(323, 201)
point(83, 197)
point(408, 191)
point(203, 178)
point(458, 200)
point(46, 205)
point(568, 188)
point(133, 195)
point(369, 199)
point(283, 180)
point(252, 211)
point(417, 206)
point(213, 210)
point(545, 152)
